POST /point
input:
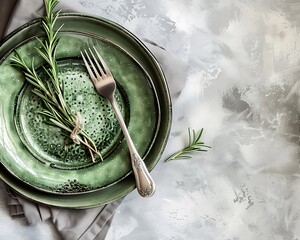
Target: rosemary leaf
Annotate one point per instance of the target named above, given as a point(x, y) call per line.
point(194, 145)
point(51, 91)
point(59, 124)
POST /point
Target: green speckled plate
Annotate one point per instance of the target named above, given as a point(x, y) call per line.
point(33, 156)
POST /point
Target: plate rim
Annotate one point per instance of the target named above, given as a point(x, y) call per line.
point(158, 68)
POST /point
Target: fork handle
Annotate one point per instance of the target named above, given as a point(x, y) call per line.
point(144, 182)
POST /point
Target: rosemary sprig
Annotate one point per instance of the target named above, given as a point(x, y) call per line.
point(51, 91)
point(194, 145)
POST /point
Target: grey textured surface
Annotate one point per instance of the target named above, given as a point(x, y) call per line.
point(242, 86)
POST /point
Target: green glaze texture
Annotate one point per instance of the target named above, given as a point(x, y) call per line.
point(49, 161)
point(34, 153)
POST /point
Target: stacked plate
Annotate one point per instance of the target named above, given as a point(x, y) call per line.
point(36, 160)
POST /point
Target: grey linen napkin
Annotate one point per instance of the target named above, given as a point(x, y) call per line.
point(6, 10)
point(80, 224)
point(86, 224)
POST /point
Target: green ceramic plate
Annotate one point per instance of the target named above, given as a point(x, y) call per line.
point(32, 152)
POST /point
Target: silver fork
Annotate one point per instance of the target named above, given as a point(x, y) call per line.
point(105, 85)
